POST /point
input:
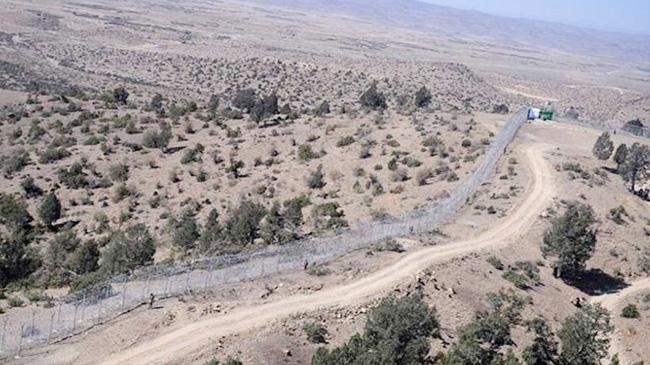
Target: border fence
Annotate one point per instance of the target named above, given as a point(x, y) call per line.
point(627, 129)
point(24, 328)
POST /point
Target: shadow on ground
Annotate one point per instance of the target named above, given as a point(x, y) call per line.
point(596, 282)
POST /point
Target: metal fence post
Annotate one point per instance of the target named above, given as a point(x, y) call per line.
point(74, 318)
point(32, 329)
point(20, 340)
point(49, 331)
point(4, 331)
point(83, 307)
point(123, 294)
point(58, 317)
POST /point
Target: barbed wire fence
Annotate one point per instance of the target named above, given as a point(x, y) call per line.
point(24, 328)
point(627, 129)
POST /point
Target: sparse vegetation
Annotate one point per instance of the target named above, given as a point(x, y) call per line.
point(571, 239)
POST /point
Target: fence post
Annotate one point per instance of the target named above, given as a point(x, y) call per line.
point(20, 341)
point(83, 307)
point(32, 329)
point(207, 278)
point(58, 317)
point(4, 331)
point(49, 331)
point(123, 294)
point(74, 318)
point(167, 285)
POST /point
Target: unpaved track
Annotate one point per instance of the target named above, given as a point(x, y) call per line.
point(180, 342)
point(611, 302)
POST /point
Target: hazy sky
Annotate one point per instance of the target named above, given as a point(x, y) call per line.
point(630, 16)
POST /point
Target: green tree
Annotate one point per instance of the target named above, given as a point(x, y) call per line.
point(17, 259)
point(14, 215)
point(396, 332)
point(85, 258)
point(603, 147)
point(244, 99)
point(50, 209)
point(543, 350)
point(373, 99)
point(620, 155)
point(185, 231)
point(212, 234)
point(637, 164)
point(422, 97)
point(584, 336)
point(128, 249)
point(480, 341)
point(243, 224)
point(571, 239)
point(272, 227)
point(120, 95)
point(400, 329)
point(56, 267)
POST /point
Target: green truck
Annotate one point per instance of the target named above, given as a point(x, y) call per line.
point(546, 114)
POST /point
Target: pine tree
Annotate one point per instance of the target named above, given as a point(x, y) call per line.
point(620, 155)
point(603, 147)
point(50, 209)
point(571, 238)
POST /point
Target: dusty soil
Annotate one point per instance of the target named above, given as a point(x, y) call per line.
point(191, 52)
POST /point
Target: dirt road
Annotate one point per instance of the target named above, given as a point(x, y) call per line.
point(611, 302)
point(176, 344)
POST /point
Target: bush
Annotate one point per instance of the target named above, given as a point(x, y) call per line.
point(422, 97)
point(52, 154)
point(373, 99)
point(494, 261)
point(316, 179)
point(305, 152)
point(630, 311)
point(423, 175)
point(516, 278)
point(31, 189)
point(400, 175)
point(193, 154)
point(345, 141)
point(154, 138)
point(617, 214)
point(244, 99)
point(119, 172)
point(73, 177)
point(15, 302)
point(15, 161)
point(316, 332)
point(120, 95)
point(323, 108)
point(328, 216)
